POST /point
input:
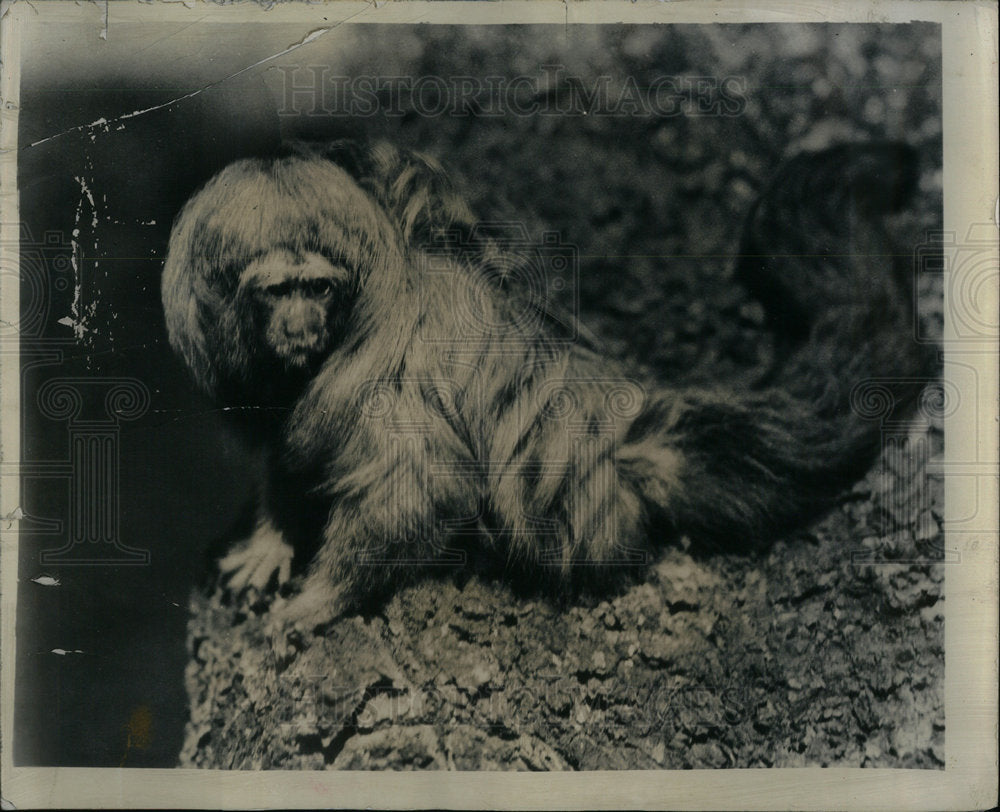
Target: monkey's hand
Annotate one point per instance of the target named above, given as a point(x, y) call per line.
point(292, 622)
point(253, 564)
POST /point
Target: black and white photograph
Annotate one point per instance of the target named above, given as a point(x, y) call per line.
point(480, 389)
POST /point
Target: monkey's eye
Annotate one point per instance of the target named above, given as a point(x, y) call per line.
point(318, 287)
point(278, 289)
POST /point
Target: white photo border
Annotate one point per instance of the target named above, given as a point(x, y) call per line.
point(969, 32)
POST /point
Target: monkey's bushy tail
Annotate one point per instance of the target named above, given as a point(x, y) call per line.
point(815, 251)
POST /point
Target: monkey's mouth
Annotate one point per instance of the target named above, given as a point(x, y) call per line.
point(299, 356)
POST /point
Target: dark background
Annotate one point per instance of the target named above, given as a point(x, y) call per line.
point(652, 202)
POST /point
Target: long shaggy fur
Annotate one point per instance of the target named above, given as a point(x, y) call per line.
point(442, 408)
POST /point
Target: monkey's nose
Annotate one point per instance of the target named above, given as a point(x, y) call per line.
point(306, 334)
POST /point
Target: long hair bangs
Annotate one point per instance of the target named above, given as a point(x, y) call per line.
point(298, 204)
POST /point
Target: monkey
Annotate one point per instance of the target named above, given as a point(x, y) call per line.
point(402, 392)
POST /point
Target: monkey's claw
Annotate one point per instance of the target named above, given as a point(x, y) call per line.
point(293, 621)
point(254, 564)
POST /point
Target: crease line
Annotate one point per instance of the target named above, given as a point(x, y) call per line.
point(312, 36)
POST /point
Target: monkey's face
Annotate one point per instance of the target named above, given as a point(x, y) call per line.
point(298, 301)
point(272, 267)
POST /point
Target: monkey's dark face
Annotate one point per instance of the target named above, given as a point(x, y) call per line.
point(298, 301)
